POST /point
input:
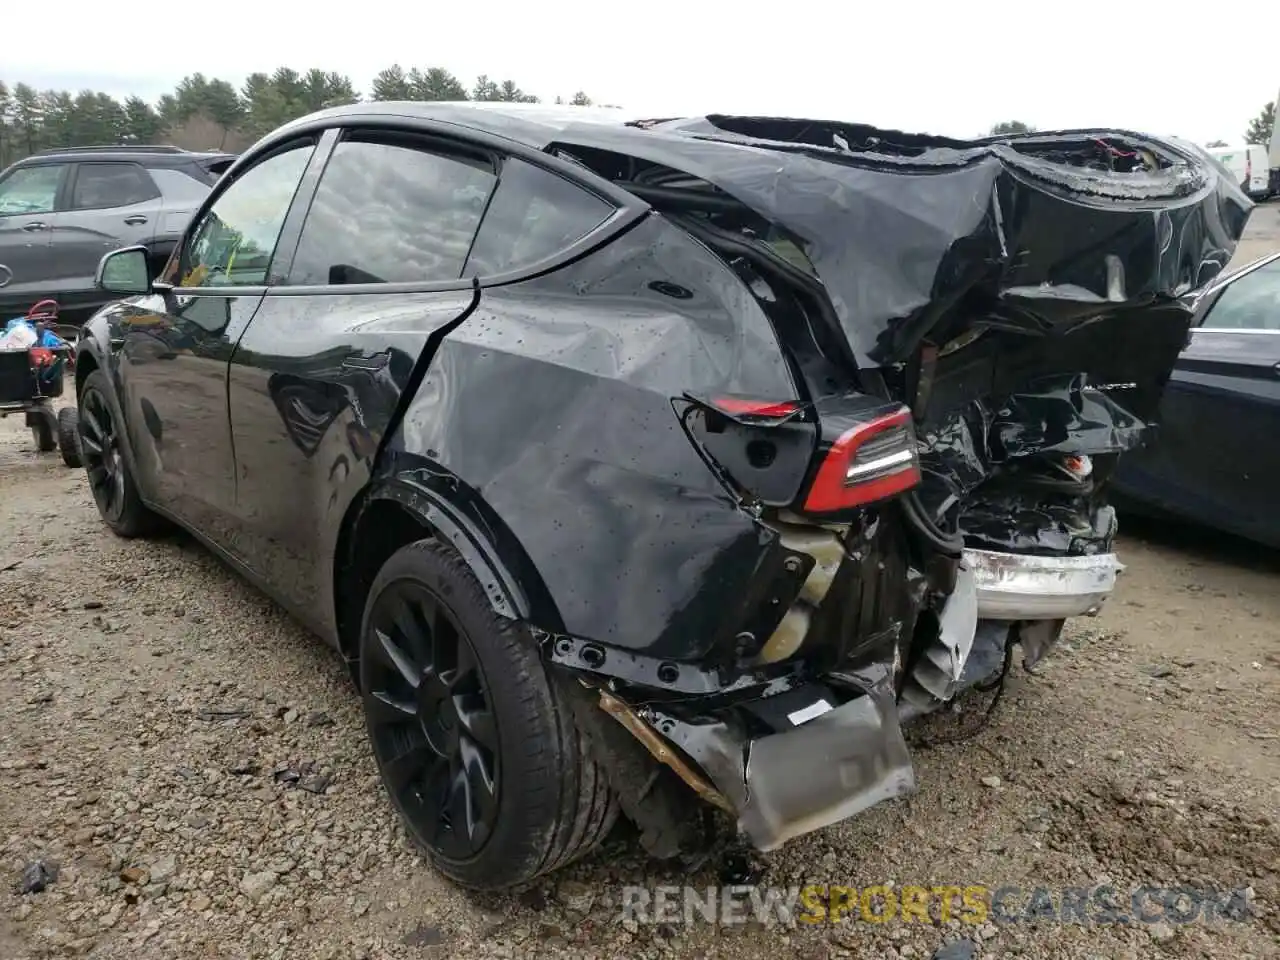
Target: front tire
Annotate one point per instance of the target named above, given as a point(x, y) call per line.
point(102, 451)
point(475, 741)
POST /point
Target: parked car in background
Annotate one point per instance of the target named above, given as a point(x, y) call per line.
point(1216, 455)
point(614, 455)
point(1251, 166)
point(61, 210)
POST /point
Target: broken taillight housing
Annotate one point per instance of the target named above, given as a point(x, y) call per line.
point(751, 409)
point(871, 461)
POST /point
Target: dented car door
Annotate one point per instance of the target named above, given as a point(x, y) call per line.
point(317, 377)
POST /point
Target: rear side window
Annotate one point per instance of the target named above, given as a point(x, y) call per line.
point(30, 189)
point(391, 211)
point(180, 185)
point(111, 185)
point(1250, 303)
point(534, 214)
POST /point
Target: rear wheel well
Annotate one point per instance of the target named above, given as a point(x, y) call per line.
point(375, 532)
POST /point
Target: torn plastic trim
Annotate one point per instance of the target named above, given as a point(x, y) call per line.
point(1020, 587)
point(942, 663)
point(616, 665)
point(986, 657)
point(750, 411)
point(661, 752)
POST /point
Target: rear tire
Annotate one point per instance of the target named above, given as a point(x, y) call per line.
point(443, 674)
point(69, 437)
point(102, 451)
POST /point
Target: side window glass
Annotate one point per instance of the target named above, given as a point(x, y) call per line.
point(236, 238)
point(30, 190)
point(391, 211)
point(111, 185)
point(534, 215)
point(180, 186)
point(1250, 303)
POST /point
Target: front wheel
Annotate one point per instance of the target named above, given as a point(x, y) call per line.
point(474, 740)
point(101, 450)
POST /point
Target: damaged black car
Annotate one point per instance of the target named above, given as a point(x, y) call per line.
point(645, 468)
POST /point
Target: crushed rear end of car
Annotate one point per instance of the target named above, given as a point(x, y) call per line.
point(976, 331)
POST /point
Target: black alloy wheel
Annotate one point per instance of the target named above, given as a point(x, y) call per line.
point(474, 737)
point(100, 450)
point(431, 720)
point(102, 454)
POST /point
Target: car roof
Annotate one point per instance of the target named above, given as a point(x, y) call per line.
point(531, 124)
point(157, 156)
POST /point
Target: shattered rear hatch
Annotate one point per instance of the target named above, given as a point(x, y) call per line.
point(1047, 231)
point(1022, 295)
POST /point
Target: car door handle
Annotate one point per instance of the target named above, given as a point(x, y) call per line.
point(35, 225)
point(136, 219)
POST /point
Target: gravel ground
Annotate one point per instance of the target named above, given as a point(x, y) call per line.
point(196, 767)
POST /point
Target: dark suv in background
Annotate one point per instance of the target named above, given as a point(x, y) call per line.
point(61, 210)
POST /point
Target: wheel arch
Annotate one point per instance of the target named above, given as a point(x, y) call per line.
point(395, 511)
point(86, 363)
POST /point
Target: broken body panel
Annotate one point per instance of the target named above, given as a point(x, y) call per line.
point(1021, 299)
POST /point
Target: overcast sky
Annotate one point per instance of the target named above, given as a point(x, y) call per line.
point(929, 65)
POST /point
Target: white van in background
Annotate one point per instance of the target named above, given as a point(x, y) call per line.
point(1250, 166)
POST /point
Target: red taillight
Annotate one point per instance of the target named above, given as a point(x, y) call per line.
point(746, 407)
point(870, 462)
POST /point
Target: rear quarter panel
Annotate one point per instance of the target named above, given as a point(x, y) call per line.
point(551, 412)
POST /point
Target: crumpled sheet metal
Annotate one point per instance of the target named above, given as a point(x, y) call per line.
point(1011, 523)
point(826, 770)
point(1063, 415)
point(829, 769)
point(897, 239)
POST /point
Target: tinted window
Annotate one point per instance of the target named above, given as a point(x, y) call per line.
point(391, 212)
point(234, 242)
point(30, 189)
point(180, 186)
point(533, 215)
point(111, 185)
point(1250, 303)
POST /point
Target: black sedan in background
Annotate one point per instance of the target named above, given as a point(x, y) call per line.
point(1216, 459)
